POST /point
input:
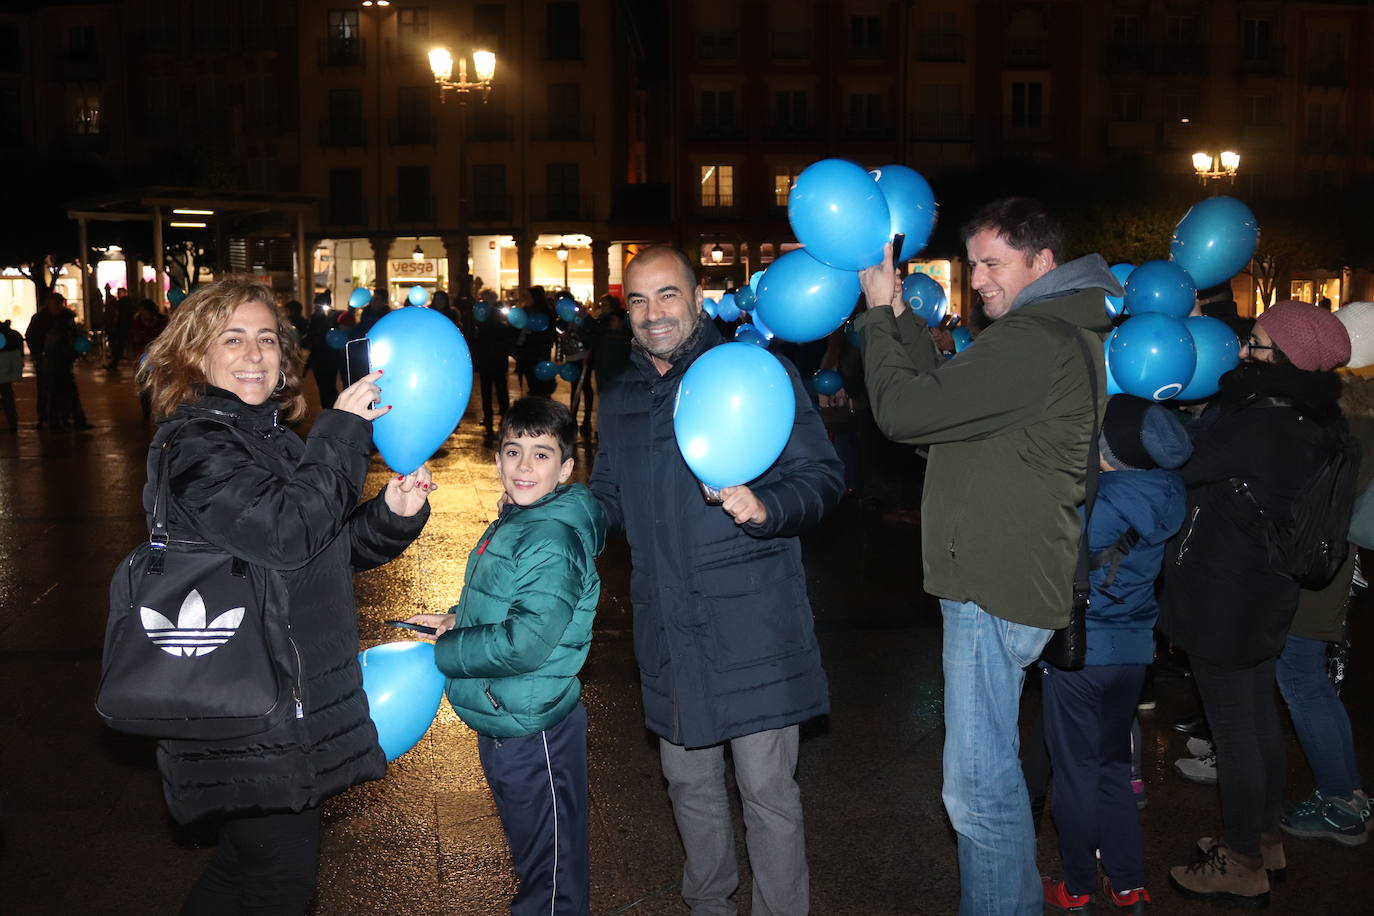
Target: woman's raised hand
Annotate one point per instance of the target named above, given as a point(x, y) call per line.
point(358, 398)
point(406, 494)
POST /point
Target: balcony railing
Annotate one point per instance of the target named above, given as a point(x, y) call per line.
point(209, 38)
point(717, 45)
point(1330, 74)
point(417, 208)
point(1270, 64)
point(491, 208)
point(938, 126)
point(1180, 58)
point(573, 126)
point(489, 126)
point(718, 200)
point(346, 211)
point(335, 134)
point(793, 45)
point(716, 132)
point(161, 38)
point(411, 131)
point(869, 132)
point(1026, 130)
point(1262, 137)
point(78, 67)
point(792, 132)
point(1028, 56)
point(263, 38)
point(544, 206)
point(342, 52)
point(938, 46)
point(83, 142)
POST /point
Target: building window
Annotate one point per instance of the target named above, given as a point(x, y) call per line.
point(346, 197)
point(489, 26)
point(260, 98)
point(564, 181)
point(1323, 124)
point(258, 29)
point(865, 112)
point(413, 121)
point(866, 35)
point(343, 25)
point(790, 109)
point(1180, 30)
point(1259, 110)
point(784, 176)
point(717, 186)
point(565, 111)
point(1255, 41)
point(1027, 105)
point(85, 110)
point(209, 25)
point(489, 198)
point(717, 111)
point(11, 116)
point(1180, 106)
point(1322, 181)
point(412, 23)
point(563, 32)
point(413, 201)
point(1127, 106)
point(1126, 29)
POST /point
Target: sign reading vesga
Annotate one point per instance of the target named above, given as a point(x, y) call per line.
point(409, 268)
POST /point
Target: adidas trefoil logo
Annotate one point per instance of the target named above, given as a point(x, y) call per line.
point(189, 635)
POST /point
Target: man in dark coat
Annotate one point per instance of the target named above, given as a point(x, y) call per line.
point(722, 625)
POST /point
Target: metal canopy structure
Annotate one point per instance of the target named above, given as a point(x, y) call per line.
point(156, 204)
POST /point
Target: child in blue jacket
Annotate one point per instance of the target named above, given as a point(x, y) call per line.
point(1088, 713)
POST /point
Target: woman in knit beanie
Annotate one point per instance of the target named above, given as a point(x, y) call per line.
point(1271, 426)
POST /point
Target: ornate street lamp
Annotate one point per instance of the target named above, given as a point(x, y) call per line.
point(1210, 169)
point(717, 253)
point(483, 68)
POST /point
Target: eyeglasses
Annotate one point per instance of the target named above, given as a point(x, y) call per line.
point(1253, 343)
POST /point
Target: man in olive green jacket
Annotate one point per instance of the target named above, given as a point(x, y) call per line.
point(1008, 423)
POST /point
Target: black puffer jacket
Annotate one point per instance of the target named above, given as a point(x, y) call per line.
point(723, 630)
point(1221, 601)
point(290, 507)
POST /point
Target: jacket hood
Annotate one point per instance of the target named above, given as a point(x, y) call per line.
point(1311, 389)
point(1357, 396)
point(1151, 501)
point(574, 505)
point(1088, 272)
point(227, 407)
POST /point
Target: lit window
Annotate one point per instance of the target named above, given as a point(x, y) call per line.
point(717, 185)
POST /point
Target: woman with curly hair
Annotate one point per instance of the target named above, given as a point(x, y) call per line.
point(290, 508)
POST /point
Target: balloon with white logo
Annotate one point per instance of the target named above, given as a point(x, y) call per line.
point(839, 213)
point(801, 299)
point(911, 204)
point(1153, 356)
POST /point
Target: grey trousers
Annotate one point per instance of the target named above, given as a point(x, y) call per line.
point(765, 771)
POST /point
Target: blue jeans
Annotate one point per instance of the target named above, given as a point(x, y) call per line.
point(1319, 716)
point(985, 660)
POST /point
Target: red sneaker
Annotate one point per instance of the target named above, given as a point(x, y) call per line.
point(1135, 902)
point(1059, 900)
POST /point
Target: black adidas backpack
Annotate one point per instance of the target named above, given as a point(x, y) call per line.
point(1310, 542)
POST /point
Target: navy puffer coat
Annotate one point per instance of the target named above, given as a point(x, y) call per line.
point(291, 508)
point(723, 629)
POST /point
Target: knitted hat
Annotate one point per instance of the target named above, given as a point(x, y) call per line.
point(1313, 338)
point(1138, 434)
point(1358, 318)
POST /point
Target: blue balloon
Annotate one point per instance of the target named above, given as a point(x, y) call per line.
point(827, 381)
point(911, 203)
point(427, 379)
point(570, 372)
point(1160, 286)
point(851, 334)
point(726, 309)
point(1113, 387)
point(566, 308)
point(734, 413)
point(745, 298)
point(757, 321)
point(336, 338)
point(4, 341)
point(517, 317)
point(926, 297)
point(418, 295)
point(1218, 352)
point(82, 345)
point(481, 311)
point(708, 305)
point(747, 333)
point(545, 369)
point(538, 321)
point(1116, 304)
point(1153, 356)
point(360, 298)
point(404, 688)
point(1215, 240)
point(175, 295)
point(838, 212)
point(754, 279)
point(963, 339)
point(802, 299)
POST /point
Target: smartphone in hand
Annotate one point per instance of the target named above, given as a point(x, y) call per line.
point(358, 361)
point(417, 627)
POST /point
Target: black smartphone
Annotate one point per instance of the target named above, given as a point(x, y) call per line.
point(358, 361)
point(417, 627)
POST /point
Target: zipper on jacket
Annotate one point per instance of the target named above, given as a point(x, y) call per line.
point(1183, 544)
point(491, 697)
point(677, 721)
point(296, 687)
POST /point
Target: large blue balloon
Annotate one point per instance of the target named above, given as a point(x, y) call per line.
point(1215, 240)
point(838, 212)
point(747, 333)
point(337, 338)
point(360, 298)
point(427, 380)
point(911, 203)
point(517, 317)
point(1113, 387)
point(926, 297)
point(566, 308)
point(1160, 286)
point(1153, 356)
point(570, 372)
point(802, 299)
point(726, 309)
point(538, 321)
point(827, 381)
point(1115, 304)
point(734, 413)
point(708, 305)
point(1218, 352)
point(404, 688)
point(745, 298)
point(418, 295)
point(545, 369)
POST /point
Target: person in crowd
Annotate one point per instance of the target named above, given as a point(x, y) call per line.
point(1219, 302)
point(1088, 714)
point(723, 631)
point(58, 376)
point(325, 362)
point(295, 316)
point(147, 323)
point(611, 342)
point(491, 350)
point(373, 312)
point(290, 508)
point(35, 335)
point(1223, 602)
point(533, 347)
point(574, 348)
point(513, 646)
point(1008, 423)
point(11, 370)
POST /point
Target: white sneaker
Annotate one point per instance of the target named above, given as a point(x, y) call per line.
point(1201, 769)
point(1200, 747)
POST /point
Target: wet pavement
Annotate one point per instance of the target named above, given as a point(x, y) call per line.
point(83, 828)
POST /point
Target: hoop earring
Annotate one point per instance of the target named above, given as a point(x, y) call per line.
point(282, 383)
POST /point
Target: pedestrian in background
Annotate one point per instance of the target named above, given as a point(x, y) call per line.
point(11, 370)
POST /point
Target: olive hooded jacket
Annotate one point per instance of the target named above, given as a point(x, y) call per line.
point(1008, 423)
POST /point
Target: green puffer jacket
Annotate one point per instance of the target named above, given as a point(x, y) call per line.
point(1007, 422)
point(525, 616)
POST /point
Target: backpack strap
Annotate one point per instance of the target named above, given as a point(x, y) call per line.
point(158, 537)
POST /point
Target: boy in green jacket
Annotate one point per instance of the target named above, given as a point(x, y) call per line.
point(512, 649)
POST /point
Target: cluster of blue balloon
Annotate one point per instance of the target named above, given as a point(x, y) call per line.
point(404, 689)
point(1158, 352)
